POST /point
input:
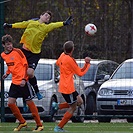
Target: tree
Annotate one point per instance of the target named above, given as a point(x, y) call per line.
point(113, 19)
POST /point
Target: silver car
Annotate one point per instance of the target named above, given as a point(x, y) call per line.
point(48, 74)
point(115, 96)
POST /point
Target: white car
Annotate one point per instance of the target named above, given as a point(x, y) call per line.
point(47, 74)
point(115, 96)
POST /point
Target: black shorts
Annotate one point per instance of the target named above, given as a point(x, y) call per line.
point(32, 58)
point(26, 92)
point(70, 98)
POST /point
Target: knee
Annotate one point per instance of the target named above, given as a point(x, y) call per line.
point(9, 105)
point(80, 102)
point(30, 74)
point(72, 108)
point(11, 101)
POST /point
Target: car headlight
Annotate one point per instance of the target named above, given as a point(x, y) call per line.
point(106, 92)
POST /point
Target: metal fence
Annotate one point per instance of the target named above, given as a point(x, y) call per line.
point(113, 41)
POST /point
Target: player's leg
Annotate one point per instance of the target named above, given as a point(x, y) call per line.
point(79, 100)
point(35, 115)
point(32, 60)
point(56, 106)
point(28, 95)
point(71, 99)
point(68, 115)
point(33, 82)
point(13, 94)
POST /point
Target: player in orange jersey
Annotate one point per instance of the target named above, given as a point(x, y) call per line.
point(68, 67)
point(17, 66)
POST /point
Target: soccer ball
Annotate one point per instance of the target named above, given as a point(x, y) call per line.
point(90, 29)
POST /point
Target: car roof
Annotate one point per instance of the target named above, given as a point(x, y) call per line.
point(129, 60)
point(94, 61)
point(47, 61)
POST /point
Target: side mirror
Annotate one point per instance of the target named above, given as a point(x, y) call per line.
point(106, 77)
point(57, 79)
point(102, 78)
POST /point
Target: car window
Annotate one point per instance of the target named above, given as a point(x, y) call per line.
point(89, 76)
point(106, 68)
point(44, 71)
point(111, 67)
point(124, 71)
point(103, 69)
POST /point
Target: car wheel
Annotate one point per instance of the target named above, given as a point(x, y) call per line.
point(80, 114)
point(10, 120)
point(90, 105)
point(103, 119)
point(50, 118)
point(129, 120)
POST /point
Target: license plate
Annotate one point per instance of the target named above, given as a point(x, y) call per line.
point(124, 102)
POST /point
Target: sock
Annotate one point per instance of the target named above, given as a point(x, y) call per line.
point(63, 105)
point(65, 119)
point(34, 112)
point(16, 112)
point(33, 82)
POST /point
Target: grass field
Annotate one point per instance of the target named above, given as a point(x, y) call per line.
point(89, 127)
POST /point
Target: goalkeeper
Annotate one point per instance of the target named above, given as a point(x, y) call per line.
point(32, 38)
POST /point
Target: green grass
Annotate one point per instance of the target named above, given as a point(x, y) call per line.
point(74, 127)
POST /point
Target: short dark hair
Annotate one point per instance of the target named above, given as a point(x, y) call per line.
point(6, 38)
point(68, 46)
point(49, 12)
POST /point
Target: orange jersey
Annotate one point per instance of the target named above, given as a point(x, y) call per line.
point(17, 65)
point(69, 67)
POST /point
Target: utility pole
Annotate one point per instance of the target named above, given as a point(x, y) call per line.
point(131, 28)
point(2, 110)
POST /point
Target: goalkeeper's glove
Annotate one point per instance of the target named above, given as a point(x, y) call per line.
point(6, 25)
point(68, 21)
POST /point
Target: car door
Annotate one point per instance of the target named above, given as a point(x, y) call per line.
point(102, 70)
point(105, 68)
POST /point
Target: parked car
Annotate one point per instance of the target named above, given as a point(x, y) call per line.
point(115, 96)
point(93, 80)
point(47, 74)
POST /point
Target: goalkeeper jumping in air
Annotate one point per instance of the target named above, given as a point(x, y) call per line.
point(31, 40)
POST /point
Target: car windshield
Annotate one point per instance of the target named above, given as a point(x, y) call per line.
point(43, 72)
point(125, 71)
point(89, 76)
